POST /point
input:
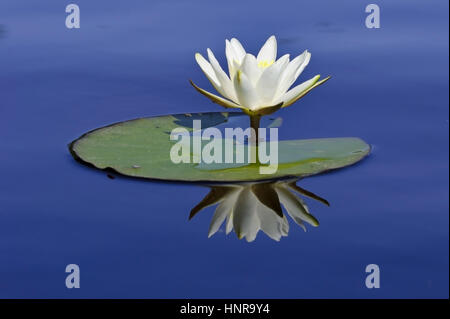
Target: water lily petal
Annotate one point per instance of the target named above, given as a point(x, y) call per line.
point(292, 93)
point(293, 186)
point(267, 196)
point(289, 75)
point(208, 70)
point(221, 213)
point(216, 195)
point(271, 224)
point(268, 51)
point(229, 53)
point(250, 68)
point(217, 99)
point(303, 65)
point(283, 60)
point(263, 110)
point(224, 80)
point(239, 50)
point(229, 223)
point(284, 226)
point(295, 207)
point(268, 82)
point(301, 224)
point(224, 209)
point(245, 91)
point(245, 221)
point(235, 54)
point(301, 90)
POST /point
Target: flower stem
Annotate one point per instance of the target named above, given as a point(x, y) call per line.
point(254, 124)
point(254, 135)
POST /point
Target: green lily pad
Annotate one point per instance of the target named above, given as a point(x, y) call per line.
point(141, 148)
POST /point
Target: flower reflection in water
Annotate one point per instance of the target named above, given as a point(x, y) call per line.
point(253, 206)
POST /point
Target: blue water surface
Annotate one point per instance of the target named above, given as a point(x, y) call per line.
point(131, 238)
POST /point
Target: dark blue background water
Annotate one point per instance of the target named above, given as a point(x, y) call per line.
point(132, 238)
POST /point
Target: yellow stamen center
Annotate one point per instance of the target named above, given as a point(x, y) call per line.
point(238, 77)
point(265, 64)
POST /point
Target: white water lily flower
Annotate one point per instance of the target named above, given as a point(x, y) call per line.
point(250, 207)
point(256, 85)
